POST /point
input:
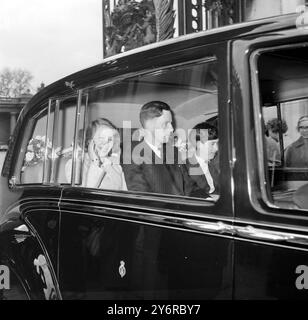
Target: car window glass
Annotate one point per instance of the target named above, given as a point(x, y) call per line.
point(51, 144)
point(38, 147)
point(284, 100)
point(114, 141)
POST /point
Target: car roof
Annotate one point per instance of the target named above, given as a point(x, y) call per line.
point(129, 61)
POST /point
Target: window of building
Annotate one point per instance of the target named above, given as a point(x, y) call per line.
point(121, 152)
point(283, 128)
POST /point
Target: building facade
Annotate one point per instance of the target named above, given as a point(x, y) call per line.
point(200, 15)
point(9, 111)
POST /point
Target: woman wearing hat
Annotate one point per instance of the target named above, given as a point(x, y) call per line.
point(297, 152)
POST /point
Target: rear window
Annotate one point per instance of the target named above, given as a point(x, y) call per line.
point(283, 129)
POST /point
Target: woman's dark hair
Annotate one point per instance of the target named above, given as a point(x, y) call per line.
point(212, 130)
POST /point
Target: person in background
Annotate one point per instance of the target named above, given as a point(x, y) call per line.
point(203, 164)
point(273, 127)
point(149, 170)
point(297, 153)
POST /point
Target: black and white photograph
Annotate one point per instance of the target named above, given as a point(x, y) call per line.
point(154, 151)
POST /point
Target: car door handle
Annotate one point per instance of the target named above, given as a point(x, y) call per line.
point(267, 235)
point(216, 227)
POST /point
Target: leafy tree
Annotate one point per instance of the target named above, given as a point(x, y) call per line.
point(14, 82)
point(133, 24)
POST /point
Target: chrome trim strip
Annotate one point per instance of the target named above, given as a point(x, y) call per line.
point(142, 211)
point(55, 137)
point(156, 221)
point(75, 149)
point(270, 244)
point(45, 178)
point(85, 122)
point(101, 205)
point(216, 227)
point(231, 112)
point(271, 236)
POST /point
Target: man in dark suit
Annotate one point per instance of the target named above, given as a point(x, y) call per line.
point(203, 164)
point(155, 165)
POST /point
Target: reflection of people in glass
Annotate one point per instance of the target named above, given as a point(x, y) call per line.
point(101, 167)
point(297, 152)
point(273, 127)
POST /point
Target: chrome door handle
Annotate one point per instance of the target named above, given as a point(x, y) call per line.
point(216, 227)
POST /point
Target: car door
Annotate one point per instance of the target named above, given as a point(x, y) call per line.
point(124, 244)
point(271, 252)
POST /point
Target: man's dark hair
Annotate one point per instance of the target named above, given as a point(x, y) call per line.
point(212, 130)
point(151, 110)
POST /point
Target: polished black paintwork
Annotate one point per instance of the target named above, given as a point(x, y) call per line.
point(86, 234)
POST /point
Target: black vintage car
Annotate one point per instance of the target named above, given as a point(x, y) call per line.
point(63, 240)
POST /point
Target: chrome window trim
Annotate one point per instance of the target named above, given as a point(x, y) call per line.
point(45, 178)
point(75, 141)
point(257, 112)
point(55, 140)
point(78, 119)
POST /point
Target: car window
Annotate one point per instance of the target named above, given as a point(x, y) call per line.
point(37, 148)
point(50, 145)
point(115, 149)
point(284, 125)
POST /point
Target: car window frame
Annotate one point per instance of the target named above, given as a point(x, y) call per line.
point(146, 195)
point(27, 134)
point(264, 185)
